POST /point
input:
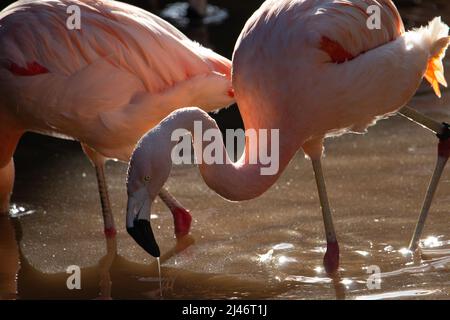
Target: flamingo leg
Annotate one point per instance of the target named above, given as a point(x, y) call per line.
point(8, 144)
point(442, 131)
point(9, 253)
point(6, 186)
point(331, 258)
point(108, 219)
point(443, 155)
point(105, 265)
point(314, 149)
point(99, 164)
point(181, 217)
point(423, 120)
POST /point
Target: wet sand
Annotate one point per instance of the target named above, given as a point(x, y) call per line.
point(270, 247)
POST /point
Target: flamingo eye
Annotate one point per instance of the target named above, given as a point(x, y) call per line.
point(147, 178)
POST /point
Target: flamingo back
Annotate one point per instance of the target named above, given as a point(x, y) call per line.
point(126, 36)
point(322, 70)
point(118, 75)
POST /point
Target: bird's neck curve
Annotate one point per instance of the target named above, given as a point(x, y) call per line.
point(246, 178)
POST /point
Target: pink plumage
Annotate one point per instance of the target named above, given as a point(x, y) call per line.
point(104, 84)
point(107, 83)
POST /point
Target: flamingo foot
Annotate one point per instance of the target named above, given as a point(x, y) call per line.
point(182, 220)
point(110, 232)
point(331, 258)
point(444, 148)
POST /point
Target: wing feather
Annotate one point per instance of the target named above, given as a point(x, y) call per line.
point(129, 38)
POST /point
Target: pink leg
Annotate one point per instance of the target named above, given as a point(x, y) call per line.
point(98, 162)
point(9, 253)
point(8, 143)
point(181, 217)
point(442, 131)
point(6, 185)
point(331, 259)
point(443, 155)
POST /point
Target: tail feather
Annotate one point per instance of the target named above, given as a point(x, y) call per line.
point(437, 35)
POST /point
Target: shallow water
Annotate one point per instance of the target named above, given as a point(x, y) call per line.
point(270, 247)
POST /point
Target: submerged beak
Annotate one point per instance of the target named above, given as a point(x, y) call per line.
point(138, 222)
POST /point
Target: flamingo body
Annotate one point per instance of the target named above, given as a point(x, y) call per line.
point(312, 69)
point(107, 83)
point(330, 73)
point(104, 82)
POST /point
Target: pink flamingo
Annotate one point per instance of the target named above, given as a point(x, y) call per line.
point(312, 69)
point(105, 84)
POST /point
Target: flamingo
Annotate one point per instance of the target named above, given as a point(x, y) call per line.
point(105, 84)
point(312, 69)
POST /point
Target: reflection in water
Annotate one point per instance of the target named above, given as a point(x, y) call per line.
point(433, 242)
point(116, 277)
point(17, 211)
point(9, 257)
point(158, 261)
point(113, 273)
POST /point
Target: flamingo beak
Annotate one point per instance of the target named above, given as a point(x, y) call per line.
point(138, 222)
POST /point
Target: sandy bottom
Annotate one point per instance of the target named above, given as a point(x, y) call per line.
point(271, 247)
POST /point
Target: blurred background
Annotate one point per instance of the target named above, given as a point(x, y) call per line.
point(376, 184)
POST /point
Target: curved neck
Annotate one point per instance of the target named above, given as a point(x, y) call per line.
point(265, 155)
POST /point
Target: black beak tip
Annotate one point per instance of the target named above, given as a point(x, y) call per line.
point(142, 233)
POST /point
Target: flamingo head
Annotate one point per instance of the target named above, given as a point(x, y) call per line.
point(147, 173)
